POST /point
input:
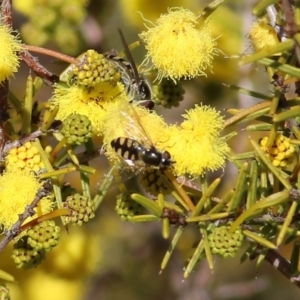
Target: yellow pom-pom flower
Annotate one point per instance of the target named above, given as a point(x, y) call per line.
point(9, 59)
point(196, 145)
point(24, 157)
point(18, 189)
point(177, 48)
point(262, 35)
point(90, 102)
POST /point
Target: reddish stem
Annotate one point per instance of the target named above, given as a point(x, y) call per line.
point(48, 52)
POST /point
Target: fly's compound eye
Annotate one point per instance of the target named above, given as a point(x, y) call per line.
point(166, 160)
point(144, 90)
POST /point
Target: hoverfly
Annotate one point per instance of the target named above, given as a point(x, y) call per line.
point(133, 151)
point(137, 147)
point(136, 84)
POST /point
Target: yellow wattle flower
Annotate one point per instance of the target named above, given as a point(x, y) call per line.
point(262, 35)
point(18, 188)
point(196, 145)
point(177, 48)
point(10, 46)
point(90, 102)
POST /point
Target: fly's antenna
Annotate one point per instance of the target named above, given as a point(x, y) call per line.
point(129, 56)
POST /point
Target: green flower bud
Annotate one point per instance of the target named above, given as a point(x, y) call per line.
point(168, 93)
point(25, 256)
point(95, 68)
point(224, 243)
point(77, 129)
point(126, 207)
point(81, 209)
point(43, 236)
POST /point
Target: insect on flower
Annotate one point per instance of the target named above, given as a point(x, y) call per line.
point(132, 151)
point(137, 86)
point(135, 152)
point(134, 146)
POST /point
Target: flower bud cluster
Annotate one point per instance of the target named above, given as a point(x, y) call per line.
point(55, 21)
point(154, 182)
point(281, 152)
point(43, 236)
point(168, 93)
point(126, 207)
point(25, 257)
point(225, 243)
point(25, 157)
point(81, 209)
point(77, 129)
point(95, 68)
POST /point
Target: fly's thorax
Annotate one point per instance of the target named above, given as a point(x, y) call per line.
point(138, 87)
point(152, 157)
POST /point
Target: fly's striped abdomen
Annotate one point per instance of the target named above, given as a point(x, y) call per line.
point(127, 148)
point(132, 151)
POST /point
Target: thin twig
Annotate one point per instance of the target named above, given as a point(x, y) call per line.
point(23, 140)
point(4, 86)
point(291, 28)
point(6, 12)
point(283, 266)
point(33, 63)
point(29, 211)
point(67, 58)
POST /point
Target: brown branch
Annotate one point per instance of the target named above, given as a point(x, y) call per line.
point(29, 211)
point(33, 63)
point(22, 141)
point(290, 27)
point(281, 264)
point(52, 53)
point(4, 86)
point(18, 143)
point(6, 12)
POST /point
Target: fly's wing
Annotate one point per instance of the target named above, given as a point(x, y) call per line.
point(129, 57)
point(140, 87)
point(116, 177)
point(132, 120)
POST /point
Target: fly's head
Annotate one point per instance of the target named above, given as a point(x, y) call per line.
point(166, 161)
point(144, 91)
